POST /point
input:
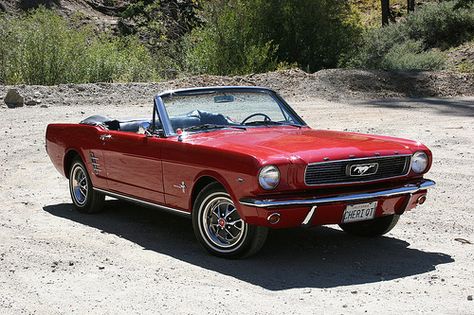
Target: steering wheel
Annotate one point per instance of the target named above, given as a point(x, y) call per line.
point(265, 116)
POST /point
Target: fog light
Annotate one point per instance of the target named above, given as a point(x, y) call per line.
point(274, 218)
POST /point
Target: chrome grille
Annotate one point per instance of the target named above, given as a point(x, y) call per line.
point(336, 172)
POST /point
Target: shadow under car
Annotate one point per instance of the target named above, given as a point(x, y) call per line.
point(320, 257)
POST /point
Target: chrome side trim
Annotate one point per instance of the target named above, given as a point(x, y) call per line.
point(309, 216)
point(406, 189)
point(142, 202)
point(408, 167)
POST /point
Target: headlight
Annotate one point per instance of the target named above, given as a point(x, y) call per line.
point(269, 177)
point(419, 162)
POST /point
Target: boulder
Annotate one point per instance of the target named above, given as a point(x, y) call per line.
point(13, 99)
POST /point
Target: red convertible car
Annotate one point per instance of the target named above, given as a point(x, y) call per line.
point(238, 161)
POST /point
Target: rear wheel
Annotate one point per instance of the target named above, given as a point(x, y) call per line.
point(219, 227)
point(84, 197)
point(371, 228)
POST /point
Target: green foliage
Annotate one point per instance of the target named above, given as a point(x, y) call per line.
point(244, 36)
point(160, 25)
point(441, 25)
point(465, 67)
point(432, 26)
point(410, 55)
point(227, 44)
point(41, 48)
point(160, 22)
point(464, 4)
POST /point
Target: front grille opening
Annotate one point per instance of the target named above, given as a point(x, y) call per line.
point(335, 172)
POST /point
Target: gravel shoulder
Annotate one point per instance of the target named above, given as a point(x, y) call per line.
point(136, 260)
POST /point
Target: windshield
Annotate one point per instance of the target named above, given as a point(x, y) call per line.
point(226, 109)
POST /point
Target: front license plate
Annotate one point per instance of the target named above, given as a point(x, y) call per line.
point(359, 212)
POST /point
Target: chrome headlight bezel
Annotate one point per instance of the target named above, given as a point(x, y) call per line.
point(419, 162)
point(269, 177)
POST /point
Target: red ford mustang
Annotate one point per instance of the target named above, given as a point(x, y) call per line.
point(238, 161)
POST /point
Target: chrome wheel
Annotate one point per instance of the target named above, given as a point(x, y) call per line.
point(219, 227)
point(79, 185)
point(221, 222)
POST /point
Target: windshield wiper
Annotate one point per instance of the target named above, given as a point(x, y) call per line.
point(271, 122)
point(212, 126)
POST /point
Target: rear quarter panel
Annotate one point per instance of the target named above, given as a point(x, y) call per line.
point(82, 139)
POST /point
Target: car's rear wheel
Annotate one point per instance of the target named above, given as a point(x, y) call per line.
point(84, 197)
point(371, 228)
point(219, 227)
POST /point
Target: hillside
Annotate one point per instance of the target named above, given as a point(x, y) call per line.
point(101, 13)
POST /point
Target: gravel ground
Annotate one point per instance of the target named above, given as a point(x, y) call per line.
point(136, 260)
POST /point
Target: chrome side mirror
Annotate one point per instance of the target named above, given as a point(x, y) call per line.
point(144, 129)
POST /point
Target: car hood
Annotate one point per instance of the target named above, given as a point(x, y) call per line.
point(305, 144)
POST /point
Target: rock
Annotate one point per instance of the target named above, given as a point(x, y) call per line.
point(13, 99)
point(32, 101)
point(469, 297)
point(462, 240)
point(44, 106)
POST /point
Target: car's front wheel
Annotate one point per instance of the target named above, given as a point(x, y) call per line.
point(371, 228)
point(83, 195)
point(219, 227)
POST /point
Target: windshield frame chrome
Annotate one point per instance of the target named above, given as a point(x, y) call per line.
point(159, 108)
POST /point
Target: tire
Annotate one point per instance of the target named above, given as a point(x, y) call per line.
point(219, 228)
point(84, 198)
point(372, 228)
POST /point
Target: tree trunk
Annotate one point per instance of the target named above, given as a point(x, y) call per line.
point(410, 6)
point(385, 11)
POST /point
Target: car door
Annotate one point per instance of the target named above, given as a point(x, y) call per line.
point(133, 165)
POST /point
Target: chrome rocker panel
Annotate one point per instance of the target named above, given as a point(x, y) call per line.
point(143, 202)
point(406, 189)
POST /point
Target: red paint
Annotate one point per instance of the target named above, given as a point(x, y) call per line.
point(152, 168)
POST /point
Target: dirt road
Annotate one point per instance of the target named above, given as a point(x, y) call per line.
point(136, 260)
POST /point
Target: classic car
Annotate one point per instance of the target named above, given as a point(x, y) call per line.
point(240, 161)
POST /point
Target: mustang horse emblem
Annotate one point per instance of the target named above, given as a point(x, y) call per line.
point(363, 169)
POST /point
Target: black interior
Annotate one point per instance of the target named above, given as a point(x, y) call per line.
point(194, 118)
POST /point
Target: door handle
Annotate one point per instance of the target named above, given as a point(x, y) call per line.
point(105, 137)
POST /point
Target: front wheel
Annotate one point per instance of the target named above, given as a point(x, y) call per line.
point(371, 228)
point(83, 195)
point(219, 227)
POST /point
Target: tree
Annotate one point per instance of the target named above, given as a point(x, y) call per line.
point(410, 6)
point(385, 4)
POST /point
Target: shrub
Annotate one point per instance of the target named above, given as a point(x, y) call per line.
point(243, 36)
point(409, 55)
point(441, 25)
point(227, 44)
point(432, 26)
point(41, 48)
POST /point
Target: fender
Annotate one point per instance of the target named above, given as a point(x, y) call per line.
point(244, 213)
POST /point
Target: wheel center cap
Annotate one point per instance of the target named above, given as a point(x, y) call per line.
point(221, 222)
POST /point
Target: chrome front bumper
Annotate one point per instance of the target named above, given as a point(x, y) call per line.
point(406, 189)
